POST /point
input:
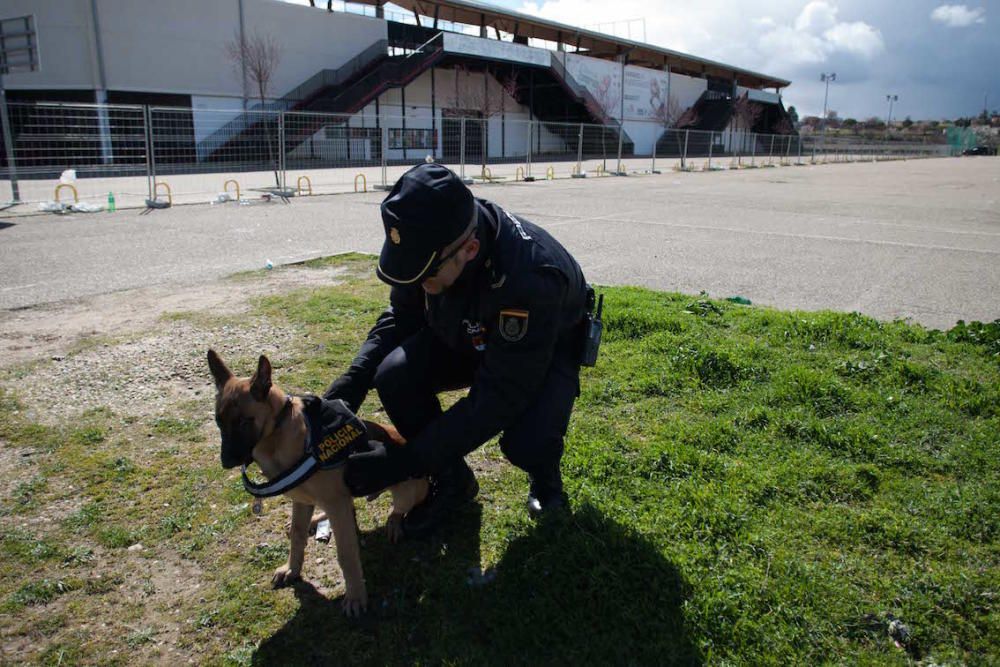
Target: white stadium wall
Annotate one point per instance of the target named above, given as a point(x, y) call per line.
point(759, 95)
point(179, 46)
point(645, 89)
point(507, 132)
point(66, 57)
point(495, 50)
point(646, 92)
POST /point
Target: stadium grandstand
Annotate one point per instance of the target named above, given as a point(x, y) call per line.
point(416, 67)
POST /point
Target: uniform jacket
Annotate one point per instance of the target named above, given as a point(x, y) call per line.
point(518, 306)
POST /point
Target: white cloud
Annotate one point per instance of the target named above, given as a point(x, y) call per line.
point(788, 34)
point(858, 38)
point(794, 46)
point(958, 16)
point(815, 35)
point(816, 16)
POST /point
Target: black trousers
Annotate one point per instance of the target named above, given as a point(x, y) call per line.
point(410, 377)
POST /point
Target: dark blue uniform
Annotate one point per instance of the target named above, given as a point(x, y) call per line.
point(509, 328)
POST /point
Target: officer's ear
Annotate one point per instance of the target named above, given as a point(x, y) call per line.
point(470, 249)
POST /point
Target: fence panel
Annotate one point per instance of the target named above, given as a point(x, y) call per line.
point(497, 149)
point(105, 145)
point(199, 160)
point(557, 151)
point(200, 153)
point(600, 150)
point(332, 153)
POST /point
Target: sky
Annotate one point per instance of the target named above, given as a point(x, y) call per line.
point(938, 58)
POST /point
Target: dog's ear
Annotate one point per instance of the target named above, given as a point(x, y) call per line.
point(260, 383)
point(220, 371)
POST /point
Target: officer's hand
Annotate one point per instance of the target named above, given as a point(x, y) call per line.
point(371, 471)
point(344, 389)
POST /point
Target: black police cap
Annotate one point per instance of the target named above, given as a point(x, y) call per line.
point(427, 209)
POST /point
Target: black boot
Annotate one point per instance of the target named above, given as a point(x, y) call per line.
point(546, 496)
point(450, 489)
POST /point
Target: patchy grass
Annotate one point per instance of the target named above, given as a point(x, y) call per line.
point(748, 486)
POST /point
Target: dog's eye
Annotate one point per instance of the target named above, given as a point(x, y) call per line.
point(247, 427)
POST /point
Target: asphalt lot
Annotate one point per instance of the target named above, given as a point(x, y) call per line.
point(918, 239)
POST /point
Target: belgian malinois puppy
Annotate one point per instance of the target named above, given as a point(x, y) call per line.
point(262, 424)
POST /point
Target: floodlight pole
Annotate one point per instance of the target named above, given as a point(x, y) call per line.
point(9, 144)
point(827, 78)
point(888, 119)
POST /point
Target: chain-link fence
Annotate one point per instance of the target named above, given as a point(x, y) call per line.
point(137, 154)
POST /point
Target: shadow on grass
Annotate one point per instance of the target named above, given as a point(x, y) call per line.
point(580, 588)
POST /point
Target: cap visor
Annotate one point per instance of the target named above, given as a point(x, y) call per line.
point(401, 268)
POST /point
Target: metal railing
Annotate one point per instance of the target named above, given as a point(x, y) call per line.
point(134, 152)
point(390, 73)
point(329, 78)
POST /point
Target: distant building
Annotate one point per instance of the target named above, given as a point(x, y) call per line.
point(416, 74)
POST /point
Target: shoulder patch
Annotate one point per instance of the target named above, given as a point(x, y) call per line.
point(513, 324)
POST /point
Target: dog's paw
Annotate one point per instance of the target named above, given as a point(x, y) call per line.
point(394, 528)
point(284, 575)
point(355, 603)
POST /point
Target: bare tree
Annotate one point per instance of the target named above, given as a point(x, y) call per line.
point(471, 95)
point(256, 57)
point(745, 117)
point(511, 84)
point(668, 113)
point(608, 96)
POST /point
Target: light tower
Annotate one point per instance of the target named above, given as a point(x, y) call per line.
point(826, 78)
point(888, 119)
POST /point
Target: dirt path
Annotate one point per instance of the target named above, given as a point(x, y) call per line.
point(140, 351)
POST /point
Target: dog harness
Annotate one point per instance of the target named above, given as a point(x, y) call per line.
point(332, 432)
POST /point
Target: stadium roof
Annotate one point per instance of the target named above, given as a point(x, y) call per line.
point(589, 42)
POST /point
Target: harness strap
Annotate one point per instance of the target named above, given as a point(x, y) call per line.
point(283, 482)
point(320, 452)
point(292, 477)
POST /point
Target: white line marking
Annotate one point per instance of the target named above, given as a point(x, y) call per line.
point(818, 237)
point(840, 220)
point(17, 287)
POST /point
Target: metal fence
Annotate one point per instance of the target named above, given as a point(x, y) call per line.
point(136, 154)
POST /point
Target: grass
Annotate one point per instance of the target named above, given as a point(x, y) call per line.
point(748, 486)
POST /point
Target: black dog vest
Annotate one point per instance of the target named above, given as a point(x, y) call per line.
point(333, 433)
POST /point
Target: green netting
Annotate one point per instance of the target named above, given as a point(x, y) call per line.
point(961, 138)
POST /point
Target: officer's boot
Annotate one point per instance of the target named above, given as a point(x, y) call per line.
point(546, 495)
point(450, 489)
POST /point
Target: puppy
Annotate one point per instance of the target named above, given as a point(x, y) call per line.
point(260, 423)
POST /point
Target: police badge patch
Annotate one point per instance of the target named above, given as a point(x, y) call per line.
point(513, 324)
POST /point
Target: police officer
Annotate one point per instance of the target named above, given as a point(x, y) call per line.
point(483, 299)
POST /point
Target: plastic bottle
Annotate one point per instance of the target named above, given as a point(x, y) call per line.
point(111, 202)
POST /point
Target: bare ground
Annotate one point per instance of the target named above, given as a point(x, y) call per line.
point(137, 353)
point(141, 351)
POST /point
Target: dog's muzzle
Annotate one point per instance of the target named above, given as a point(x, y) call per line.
point(235, 454)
